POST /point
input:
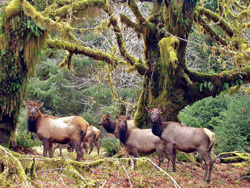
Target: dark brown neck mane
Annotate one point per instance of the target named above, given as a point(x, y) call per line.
point(157, 127)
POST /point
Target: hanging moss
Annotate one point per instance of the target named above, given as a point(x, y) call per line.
point(3, 42)
point(21, 43)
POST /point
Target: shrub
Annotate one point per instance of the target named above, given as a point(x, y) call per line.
point(24, 140)
point(110, 145)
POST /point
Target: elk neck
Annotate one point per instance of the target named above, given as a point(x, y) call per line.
point(157, 127)
point(111, 126)
point(33, 123)
point(123, 136)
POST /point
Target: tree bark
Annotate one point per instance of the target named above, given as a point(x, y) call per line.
point(20, 45)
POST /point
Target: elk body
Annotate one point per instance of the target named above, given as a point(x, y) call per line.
point(138, 140)
point(91, 137)
point(179, 137)
point(51, 129)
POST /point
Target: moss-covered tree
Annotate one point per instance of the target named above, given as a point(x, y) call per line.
point(168, 81)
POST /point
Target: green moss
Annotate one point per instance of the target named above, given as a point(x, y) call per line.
point(232, 157)
point(13, 8)
point(12, 166)
point(185, 157)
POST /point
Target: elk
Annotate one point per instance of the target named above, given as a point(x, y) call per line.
point(179, 137)
point(110, 126)
point(50, 129)
point(138, 140)
point(91, 137)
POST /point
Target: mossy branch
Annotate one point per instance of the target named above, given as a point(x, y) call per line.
point(135, 62)
point(237, 4)
point(40, 20)
point(218, 82)
point(77, 6)
point(67, 60)
point(129, 23)
point(47, 23)
point(119, 37)
point(141, 20)
point(77, 49)
point(217, 19)
point(210, 31)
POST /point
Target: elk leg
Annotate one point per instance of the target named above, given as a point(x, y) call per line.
point(159, 152)
point(56, 146)
point(208, 164)
point(85, 147)
point(50, 149)
point(97, 146)
point(91, 147)
point(135, 155)
point(79, 151)
point(174, 160)
point(170, 153)
point(45, 146)
point(60, 148)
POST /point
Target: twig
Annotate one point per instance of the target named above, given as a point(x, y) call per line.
point(163, 171)
point(128, 177)
point(103, 184)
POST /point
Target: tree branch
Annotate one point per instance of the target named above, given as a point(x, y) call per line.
point(239, 5)
point(138, 64)
point(141, 20)
point(217, 19)
point(77, 49)
point(129, 23)
point(77, 6)
point(210, 31)
point(205, 85)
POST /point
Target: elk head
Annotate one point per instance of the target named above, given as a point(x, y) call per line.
point(122, 122)
point(155, 113)
point(33, 108)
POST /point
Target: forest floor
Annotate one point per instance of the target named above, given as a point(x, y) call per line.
point(188, 175)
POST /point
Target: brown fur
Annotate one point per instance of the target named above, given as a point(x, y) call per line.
point(50, 129)
point(138, 140)
point(91, 137)
point(187, 139)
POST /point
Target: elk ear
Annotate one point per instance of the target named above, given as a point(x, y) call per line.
point(148, 109)
point(39, 105)
point(116, 117)
point(26, 103)
point(162, 110)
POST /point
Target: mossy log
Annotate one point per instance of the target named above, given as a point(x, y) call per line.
point(233, 157)
point(22, 169)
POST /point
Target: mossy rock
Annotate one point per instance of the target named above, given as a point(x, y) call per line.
point(233, 157)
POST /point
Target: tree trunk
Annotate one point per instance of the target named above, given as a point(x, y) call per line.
point(166, 87)
point(7, 128)
point(20, 44)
